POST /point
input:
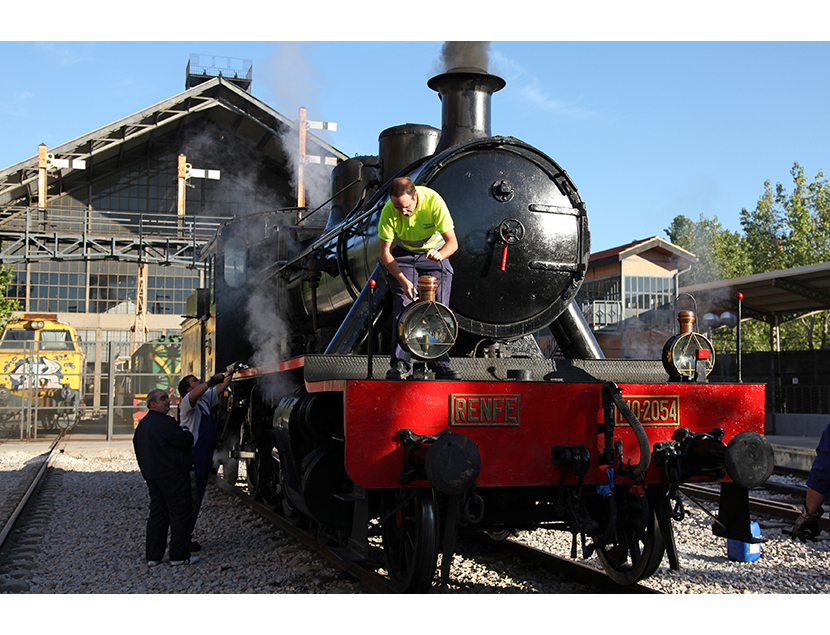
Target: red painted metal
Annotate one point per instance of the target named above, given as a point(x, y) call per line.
point(526, 419)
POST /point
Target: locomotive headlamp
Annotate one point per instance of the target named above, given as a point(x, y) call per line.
point(427, 328)
point(36, 324)
point(682, 353)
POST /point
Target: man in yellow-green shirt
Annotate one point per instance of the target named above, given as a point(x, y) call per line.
point(417, 235)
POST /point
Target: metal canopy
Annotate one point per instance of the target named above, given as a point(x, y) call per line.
point(774, 297)
point(114, 145)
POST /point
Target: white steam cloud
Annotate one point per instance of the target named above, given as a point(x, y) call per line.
point(293, 81)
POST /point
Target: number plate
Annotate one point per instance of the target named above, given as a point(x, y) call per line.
point(652, 410)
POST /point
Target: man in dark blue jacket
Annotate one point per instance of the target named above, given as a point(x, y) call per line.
point(162, 448)
point(818, 487)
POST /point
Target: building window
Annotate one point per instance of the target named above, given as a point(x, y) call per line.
point(17, 288)
point(168, 288)
point(57, 287)
point(650, 297)
point(112, 287)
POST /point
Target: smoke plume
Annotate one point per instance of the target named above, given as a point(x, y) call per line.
point(465, 54)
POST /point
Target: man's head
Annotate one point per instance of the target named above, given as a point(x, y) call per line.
point(159, 401)
point(403, 195)
point(187, 384)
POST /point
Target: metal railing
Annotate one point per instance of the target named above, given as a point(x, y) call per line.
point(803, 399)
point(108, 405)
point(214, 65)
point(602, 314)
point(29, 233)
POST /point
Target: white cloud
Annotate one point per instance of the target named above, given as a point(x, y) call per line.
point(59, 54)
point(17, 106)
point(528, 88)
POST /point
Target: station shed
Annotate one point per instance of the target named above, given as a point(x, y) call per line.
point(104, 230)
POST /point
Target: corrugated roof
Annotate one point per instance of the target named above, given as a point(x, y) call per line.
point(784, 294)
point(218, 99)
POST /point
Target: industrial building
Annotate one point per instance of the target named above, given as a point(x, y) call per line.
point(104, 230)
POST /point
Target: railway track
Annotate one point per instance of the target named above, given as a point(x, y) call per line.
point(575, 571)
point(374, 582)
point(766, 507)
point(11, 521)
point(369, 579)
point(31, 497)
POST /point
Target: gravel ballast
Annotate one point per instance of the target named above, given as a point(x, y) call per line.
point(93, 542)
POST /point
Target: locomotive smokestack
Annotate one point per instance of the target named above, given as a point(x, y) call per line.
point(465, 93)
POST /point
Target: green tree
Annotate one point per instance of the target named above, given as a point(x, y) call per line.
point(721, 253)
point(6, 305)
point(789, 230)
point(785, 230)
point(792, 230)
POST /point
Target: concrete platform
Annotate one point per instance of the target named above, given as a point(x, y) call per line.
point(794, 452)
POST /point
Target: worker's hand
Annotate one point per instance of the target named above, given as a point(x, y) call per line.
point(434, 254)
point(236, 366)
point(410, 290)
point(215, 380)
point(806, 525)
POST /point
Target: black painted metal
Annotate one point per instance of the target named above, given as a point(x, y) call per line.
point(749, 459)
point(465, 104)
point(511, 301)
point(401, 146)
point(355, 328)
point(574, 336)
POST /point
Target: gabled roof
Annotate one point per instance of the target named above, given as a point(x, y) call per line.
point(103, 149)
point(785, 294)
point(617, 254)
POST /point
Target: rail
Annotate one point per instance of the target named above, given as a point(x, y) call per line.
point(10, 523)
point(372, 581)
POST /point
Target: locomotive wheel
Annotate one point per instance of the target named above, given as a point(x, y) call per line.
point(627, 564)
point(410, 539)
point(284, 506)
point(269, 481)
point(254, 473)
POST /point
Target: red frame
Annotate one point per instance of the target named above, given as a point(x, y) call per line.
point(550, 414)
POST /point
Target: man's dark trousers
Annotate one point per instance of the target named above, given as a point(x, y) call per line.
point(170, 505)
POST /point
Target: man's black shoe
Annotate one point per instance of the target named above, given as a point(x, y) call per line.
point(195, 546)
point(445, 372)
point(398, 371)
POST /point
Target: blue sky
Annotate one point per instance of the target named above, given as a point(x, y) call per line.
point(646, 129)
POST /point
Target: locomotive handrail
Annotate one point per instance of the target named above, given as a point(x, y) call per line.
point(334, 233)
point(372, 207)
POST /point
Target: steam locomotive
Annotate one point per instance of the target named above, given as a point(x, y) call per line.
point(579, 443)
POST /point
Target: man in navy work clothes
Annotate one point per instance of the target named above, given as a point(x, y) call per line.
point(416, 234)
point(196, 414)
point(162, 448)
point(818, 487)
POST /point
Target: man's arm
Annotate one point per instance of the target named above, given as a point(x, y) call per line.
point(449, 248)
point(219, 380)
point(388, 261)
